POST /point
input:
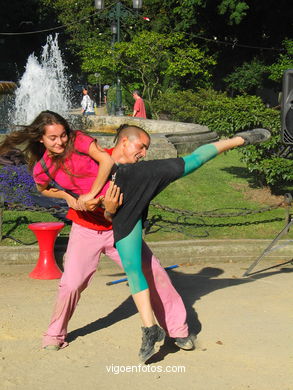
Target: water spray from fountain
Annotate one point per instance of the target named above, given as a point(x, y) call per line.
point(43, 86)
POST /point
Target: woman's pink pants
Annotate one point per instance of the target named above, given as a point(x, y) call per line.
point(82, 257)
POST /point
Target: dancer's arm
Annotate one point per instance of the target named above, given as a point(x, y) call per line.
point(105, 164)
point(72, 202)
point(55, 193)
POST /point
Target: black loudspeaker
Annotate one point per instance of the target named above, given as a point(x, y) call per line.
point(287, 108)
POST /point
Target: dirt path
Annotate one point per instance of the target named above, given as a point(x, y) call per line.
point(244, 341)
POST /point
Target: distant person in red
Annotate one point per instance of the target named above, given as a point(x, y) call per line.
point(138, 108)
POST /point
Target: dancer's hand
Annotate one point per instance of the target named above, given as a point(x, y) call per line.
point(112, 201)
point(81, 201)
point(92, 204)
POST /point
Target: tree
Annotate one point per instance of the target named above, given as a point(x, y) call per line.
point(236, 31)
point(284, 62)
point(151, 62)
point(252, 75)
point(193, 15)
point(247, 77)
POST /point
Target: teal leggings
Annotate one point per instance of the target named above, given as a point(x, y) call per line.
point(129, 248)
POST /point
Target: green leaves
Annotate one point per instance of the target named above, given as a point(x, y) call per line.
point(190, 61)
point(228, 116)
point(284, 62)
point(235, 9)
point(151, 60)
point(247, 77)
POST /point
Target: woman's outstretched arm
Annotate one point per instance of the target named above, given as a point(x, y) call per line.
point(105, 165)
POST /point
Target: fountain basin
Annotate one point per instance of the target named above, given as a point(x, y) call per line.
point(185, 137)
point(7, 87)
point(187, 142)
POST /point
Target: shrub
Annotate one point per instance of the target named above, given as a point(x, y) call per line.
point(214, 109)
point(17, 184)
point(247, 77)
point(226, 116)
point(180, 106)
point(276, 171)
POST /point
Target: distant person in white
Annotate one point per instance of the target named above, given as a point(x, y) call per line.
point(88, 102)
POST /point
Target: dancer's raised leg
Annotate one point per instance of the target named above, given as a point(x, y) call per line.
point(206, 152)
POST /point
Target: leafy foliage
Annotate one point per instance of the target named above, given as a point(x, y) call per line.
point(182, 106)
point(150, 62)
point(284, 62)
point(211, 25)
point(17, 184)
point(228, 116)
point(247, 77)
point(251, 75)
point(236, 9)
point(185, 15)
point(213, 109)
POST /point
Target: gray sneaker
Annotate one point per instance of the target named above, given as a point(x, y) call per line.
point(150, 337)
point(185, 343)
point(254, 136)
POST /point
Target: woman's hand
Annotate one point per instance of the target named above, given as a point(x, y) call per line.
point(91, 205)
point(82, 199)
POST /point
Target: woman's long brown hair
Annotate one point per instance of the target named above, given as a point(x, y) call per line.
point(30, 136)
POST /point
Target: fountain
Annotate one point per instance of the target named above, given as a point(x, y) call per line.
point(43, 86)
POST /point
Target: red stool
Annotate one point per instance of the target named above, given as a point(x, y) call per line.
point(46, 233)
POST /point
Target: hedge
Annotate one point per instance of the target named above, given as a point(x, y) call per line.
point(228, 116)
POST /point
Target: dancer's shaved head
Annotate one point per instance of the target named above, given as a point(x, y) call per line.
point(130, 132)
point(132, 143)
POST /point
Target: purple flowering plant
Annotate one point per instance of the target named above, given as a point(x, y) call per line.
point(17, 184)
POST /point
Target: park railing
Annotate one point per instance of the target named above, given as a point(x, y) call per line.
point(183, 218)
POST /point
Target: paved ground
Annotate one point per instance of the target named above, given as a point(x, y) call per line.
point(244, 338)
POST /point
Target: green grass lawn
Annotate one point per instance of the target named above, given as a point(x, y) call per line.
point(218, 185)
point(214, 187)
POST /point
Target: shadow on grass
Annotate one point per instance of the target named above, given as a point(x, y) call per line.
point(240, 172)
point(159, 223)
point(21, 223)
point(15, 225)
point(254, 182)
